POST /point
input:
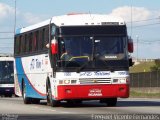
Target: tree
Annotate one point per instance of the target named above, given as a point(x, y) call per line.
point(156, 67)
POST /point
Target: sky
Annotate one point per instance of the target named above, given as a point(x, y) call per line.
point(144, 14)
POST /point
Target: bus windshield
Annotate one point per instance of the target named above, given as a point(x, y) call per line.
point(78, 50)
point(6, 72)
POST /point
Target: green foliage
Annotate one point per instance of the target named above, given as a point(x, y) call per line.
point(144, 95)
point(156, 67)
point(142, 67)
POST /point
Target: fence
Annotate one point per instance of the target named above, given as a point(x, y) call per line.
point(145, 79)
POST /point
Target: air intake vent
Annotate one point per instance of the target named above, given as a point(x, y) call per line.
point(110, 23)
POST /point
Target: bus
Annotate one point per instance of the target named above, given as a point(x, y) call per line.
point(6, 76)
point(72, 58)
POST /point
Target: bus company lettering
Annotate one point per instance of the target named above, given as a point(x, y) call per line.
point(95, 92)
point(35, 64)
point(97, 73)
point(123, 73)
point(86, 74)
point(67, 74)
point(101, 73)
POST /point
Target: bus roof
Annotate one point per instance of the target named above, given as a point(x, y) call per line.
point(76, 20)
point(6, 59)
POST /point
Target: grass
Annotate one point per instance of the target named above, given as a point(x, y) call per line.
point(142, 67)
point(144, 95)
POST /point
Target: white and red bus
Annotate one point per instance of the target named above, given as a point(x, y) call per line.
point(73, 57)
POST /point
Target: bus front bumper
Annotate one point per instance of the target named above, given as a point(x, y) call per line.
point(6, 91)
point(67, 92)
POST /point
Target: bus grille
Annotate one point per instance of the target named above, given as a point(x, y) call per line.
point(95, 81)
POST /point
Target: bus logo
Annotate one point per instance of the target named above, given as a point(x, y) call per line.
point(95, 92)
point(95, 81)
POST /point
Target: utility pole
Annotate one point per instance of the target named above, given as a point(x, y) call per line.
point(15, 12)
point(131, 17)
point(137, 45)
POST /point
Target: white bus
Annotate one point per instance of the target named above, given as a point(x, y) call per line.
point(6, 76)
point(73, 57)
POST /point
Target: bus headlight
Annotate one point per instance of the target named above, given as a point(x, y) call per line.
point(73, 81)
point(120, 81)
point(66, 81)
point(115, 80)
point(60, 81)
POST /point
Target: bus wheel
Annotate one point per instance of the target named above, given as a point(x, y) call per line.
point(78, 101)
point(111, 102)
point(8, 95)
point(50, 101)
point(26, 100)
point(35, 101)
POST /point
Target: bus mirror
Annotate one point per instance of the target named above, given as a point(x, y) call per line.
point(54, 46)
point(131, 63)
point(47, 46)
point(130, 45)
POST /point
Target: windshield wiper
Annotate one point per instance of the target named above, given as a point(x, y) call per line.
point(83, 66)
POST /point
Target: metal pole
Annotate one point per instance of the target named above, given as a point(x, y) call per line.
point(15, 12)
point(131, 18)
point(137, 46)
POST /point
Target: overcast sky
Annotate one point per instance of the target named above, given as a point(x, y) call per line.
point(145, 17)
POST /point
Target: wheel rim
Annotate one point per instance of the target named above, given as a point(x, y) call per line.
point(49, 95)
point(24, 91)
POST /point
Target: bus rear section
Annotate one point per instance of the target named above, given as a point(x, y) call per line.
point(6, 76)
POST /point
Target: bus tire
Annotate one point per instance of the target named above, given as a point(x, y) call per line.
point(26, 100)
point(111, 102)
point(78, 101)
point(8, 95)
point(35, 101)
point(50, 101)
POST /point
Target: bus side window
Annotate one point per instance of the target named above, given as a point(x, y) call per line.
point(27, 43)
point(30, 42)
point(34, 42)
point(43, 38)
point(40, 41)
point(20, 44)
point(37, 40)
point(17, 42)
point(46, 37)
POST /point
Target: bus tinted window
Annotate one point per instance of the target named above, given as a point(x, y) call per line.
point(34, 42)
point(43, 37)
point(22, 44)
point(40, 40)
point(27, 43)
point(18, 43)
point(37, 40)
point(30, 42)
point(46, 37)
point(6, 72)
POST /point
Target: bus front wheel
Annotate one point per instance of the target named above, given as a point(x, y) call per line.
point(50, 101)
point(111, 102)
point(26, 100)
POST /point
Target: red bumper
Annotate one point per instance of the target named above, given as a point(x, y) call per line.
point(66, 92)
